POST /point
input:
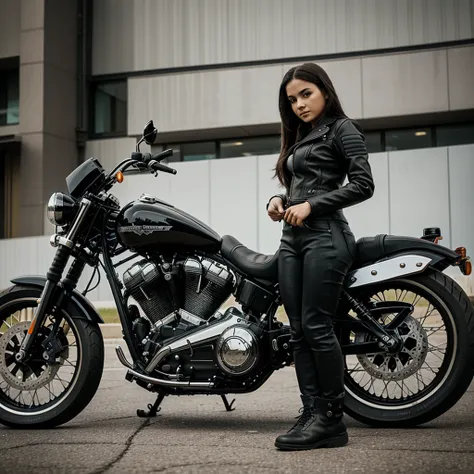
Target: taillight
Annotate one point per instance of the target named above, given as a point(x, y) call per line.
point(465, 264)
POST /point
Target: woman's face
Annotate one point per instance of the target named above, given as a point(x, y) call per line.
point(306, 100)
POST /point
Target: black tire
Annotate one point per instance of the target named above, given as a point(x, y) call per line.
point(455, 382)
point(84, 383)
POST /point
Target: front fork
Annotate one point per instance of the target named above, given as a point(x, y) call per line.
point(65, 246)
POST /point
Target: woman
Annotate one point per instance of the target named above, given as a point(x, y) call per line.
point(320, 147)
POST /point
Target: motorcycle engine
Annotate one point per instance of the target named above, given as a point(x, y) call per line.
point(194, 288)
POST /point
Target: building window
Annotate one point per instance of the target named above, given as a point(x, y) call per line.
point(373, 142)
point(460, 134)
point(250, 146)
point(9, 97)
point(198, 151)
point(110, 108)
point(408, 139)
point(176, 152)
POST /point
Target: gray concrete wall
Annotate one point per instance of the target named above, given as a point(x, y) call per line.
point(144, 34)
point(369, 87)
point(47, 105)
point(10, 19)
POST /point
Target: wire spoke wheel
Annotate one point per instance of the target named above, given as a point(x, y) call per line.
point(429, 344)
point(63, 369)
point(35, 385)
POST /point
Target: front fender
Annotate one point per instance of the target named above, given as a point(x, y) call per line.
point(395, 267)
point(85, 310)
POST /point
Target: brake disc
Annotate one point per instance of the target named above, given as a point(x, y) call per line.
point(402, 364)
point(22, 376)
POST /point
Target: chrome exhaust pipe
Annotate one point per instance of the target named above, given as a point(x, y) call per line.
point(122, 358)
point(155, 381)
point(170, 383)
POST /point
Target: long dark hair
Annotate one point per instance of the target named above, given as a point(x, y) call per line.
point(294, 129)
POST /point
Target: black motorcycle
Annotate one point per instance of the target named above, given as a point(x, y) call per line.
point(405, 328)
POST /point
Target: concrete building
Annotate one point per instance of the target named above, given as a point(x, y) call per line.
point(80, 78)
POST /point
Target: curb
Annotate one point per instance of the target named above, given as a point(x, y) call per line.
point(111, 331)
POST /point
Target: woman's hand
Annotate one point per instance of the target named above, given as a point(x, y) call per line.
point(295, 215)
point(275, 209)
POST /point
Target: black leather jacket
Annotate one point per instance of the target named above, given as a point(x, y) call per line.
point(320, 163)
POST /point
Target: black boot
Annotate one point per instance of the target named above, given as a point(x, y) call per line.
point(323, 430)
point(307, 411)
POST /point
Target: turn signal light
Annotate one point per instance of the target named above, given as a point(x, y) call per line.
point(119, 177)
point(461, 251)
point(467, 267)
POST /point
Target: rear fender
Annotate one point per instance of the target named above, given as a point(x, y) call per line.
point(394, 267)
point(84, 308)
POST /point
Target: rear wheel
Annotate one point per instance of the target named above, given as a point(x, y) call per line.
point(40, 394)
point(433, 369)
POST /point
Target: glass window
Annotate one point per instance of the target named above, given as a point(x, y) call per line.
point(459, 134)
point(250, 146)
point(176, 152)
point(373, 142)
point(198, 151)
point(110, 108)
point(9, 97)
point(407, 139)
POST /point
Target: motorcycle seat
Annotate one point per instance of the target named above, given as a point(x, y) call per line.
point(253, 263)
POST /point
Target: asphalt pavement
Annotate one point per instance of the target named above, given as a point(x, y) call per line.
point(195, 434)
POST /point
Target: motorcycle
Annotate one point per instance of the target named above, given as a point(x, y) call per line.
point(406, 329)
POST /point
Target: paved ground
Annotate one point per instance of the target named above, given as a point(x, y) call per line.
point(196, 435)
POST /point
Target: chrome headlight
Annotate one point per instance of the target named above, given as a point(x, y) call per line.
point(61, 208)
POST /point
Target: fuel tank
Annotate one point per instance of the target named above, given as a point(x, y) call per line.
point(154, 225)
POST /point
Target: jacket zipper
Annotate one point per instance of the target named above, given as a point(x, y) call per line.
point(305, 158)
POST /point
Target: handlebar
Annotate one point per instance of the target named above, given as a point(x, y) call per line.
point(155, 166)
point(152, 162)
point(142, 162)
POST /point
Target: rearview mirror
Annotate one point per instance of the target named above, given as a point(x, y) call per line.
point(150, 133)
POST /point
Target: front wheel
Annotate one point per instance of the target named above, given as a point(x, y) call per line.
point(433, 369)
point(40, 394)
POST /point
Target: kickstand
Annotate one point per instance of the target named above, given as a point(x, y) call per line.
point(228, 406)
point(152, 409)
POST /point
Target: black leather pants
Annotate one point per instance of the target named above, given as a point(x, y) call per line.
point(313, 263)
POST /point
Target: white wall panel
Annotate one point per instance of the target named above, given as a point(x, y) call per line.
point(371, 217)
point(134, 186)
point(191, 188)
point(24, 256)
point(155, 34)
point(461, 176)
point(461, 77)
point(419, 192)
point(234, 198)
point(269, 232)
point(405, 84)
